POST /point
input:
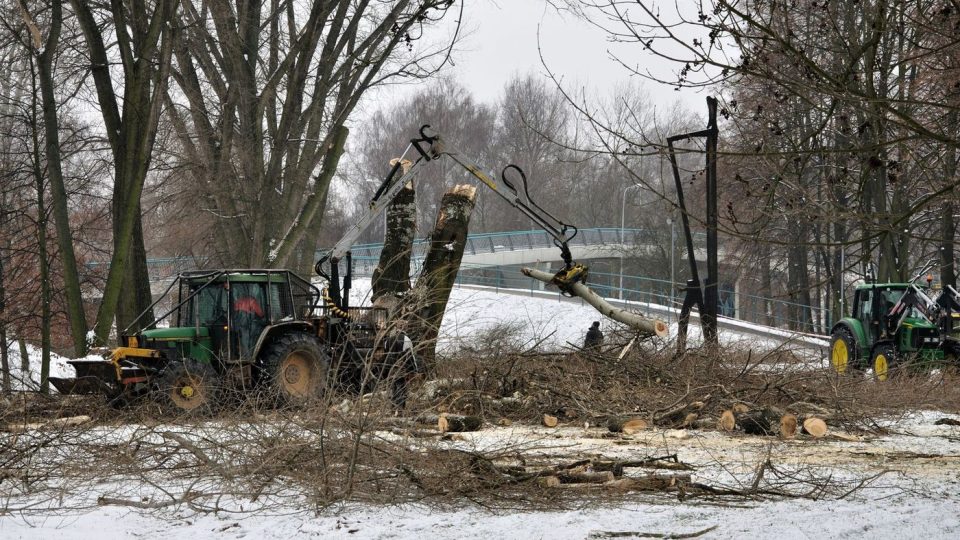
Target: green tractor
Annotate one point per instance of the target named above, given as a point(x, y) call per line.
point(893, 325)
point(247, 331)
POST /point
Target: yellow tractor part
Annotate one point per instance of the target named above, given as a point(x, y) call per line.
point(840, 356)
point(881, 368)
point(120, 353)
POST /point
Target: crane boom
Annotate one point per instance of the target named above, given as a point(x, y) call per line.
point(431, 146)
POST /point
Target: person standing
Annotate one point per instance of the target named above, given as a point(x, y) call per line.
point(594, 337)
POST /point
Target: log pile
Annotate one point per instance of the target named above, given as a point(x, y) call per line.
point(772, 421)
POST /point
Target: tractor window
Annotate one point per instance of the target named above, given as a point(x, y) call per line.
point(276, 307)
point(866, 305)
point(209, 306)
point(249, 316)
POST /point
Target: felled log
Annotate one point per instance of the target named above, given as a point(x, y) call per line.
point(634, 320)
point(679, 416)
point(458, 423)
point(653, 482)
point(815, 427)
point(616, 466)
point(440, 268)
point(765, 421)
point(578, 477)
point(549, 420)
point(627, 425)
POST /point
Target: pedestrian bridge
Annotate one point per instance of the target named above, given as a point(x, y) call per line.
point(523, 247)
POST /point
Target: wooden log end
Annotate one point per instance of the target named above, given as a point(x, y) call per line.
point(815, 427)
point(661, 329)
point(634, 425)
point(788, 426)
point(740, 408)
point(466, 191)
point(728, 421)
point(549, 420)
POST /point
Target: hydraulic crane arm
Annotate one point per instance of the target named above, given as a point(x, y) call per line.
point(428, 147)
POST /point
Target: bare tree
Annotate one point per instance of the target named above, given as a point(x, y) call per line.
point(264, 91)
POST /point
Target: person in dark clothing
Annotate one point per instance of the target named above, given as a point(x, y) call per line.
point(249, 322)
point(594, 337)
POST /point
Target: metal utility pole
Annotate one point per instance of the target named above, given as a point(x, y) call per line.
point(706, 298)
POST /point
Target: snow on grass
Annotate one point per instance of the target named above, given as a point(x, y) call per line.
point(29, 379)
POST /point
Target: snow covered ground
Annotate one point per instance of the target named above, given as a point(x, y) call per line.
point(916, 497)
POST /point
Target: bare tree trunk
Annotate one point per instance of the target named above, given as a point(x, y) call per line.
point(41, 249)
point(440, 268)
point(24, 358)
point(4, 350)
point(71, 279)
point(948, 273)
point(392, 274)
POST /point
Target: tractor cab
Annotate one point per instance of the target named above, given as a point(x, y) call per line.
point(220, 316)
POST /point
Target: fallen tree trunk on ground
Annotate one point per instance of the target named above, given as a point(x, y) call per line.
point(634, 320)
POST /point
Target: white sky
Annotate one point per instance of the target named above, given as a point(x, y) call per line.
point(504, 38)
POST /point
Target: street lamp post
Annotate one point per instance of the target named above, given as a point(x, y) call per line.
point(623, 211)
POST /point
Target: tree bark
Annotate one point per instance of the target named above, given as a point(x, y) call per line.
point(634, 320)
point(392, 274)
point(440, 269)
point(61, 216)
point(144, 44)
point(42, 259)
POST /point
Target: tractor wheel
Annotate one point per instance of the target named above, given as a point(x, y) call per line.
point(844, 352)
point(885, 361)
point(295, 366)
point(189, 387)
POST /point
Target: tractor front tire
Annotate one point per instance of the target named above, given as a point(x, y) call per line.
point(295, 366)
point(188, 387)
point(844, 352)
point(884, 361)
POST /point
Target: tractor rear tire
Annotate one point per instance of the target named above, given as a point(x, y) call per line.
point(295, 368)
point(189, 387)
point(885, 361)
point(844, 352)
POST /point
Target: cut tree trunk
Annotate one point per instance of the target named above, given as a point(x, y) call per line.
point(459, 424)
point(549, 420)
point(634, 320)
point(391, 277)
point(440, 269)
point(815, 427)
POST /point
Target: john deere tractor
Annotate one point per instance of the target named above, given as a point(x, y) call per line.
point(247, 331)
point(894, 325)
